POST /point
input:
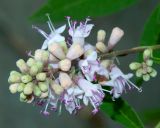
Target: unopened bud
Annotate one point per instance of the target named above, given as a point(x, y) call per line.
point(57, 89)
point(149, 62)
point(41, 55)
point(28, 89)
point(146, 77)
point(153, 73)
point(33, 70)
point(43, 86)
point(65, 80)
point(44, 95)
point(20, 87)
point(149, 69)
point(37, 91)
point(41, 76)
point(31, 62)
point(147, 53)
point(75, 51)
point(26, 78)
point(139, 72)
point(101, 34)
point(15, 73)
point(135, 65)
point(23, 96)
point(14, 78)
point(101, 47)
point(13, 88)
point(106, 63)
point(39, 65)
point(65, 65)
point(116, 35)
point(22, 65)
point(56, 50)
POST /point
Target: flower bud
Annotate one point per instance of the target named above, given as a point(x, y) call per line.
point(149, 69)
point(153, 73)
point(22, 96)
point(101, 47)
point(52, 58)
point(13, 88)
point(147, 54)
point(65, 80)
point(44, 95)
point(56, 50)
point(22, 65)
point(20, 87)
point(15, 73)
point(26, 78)
point(64, 46)
point(146, 77)
point(33, 70)
point(106, 63)
point(28, 89)
point(75, 51)
point(139, 72)
point(116, 35)
point(31, 62)
point(43, 86)
point(149, 62)
point(65, 65)
point(101, 34)
point(41, 55)
point(41, 76)
point(57, 89)
point(14, 78)
point(40, 66)
point(135, 65)
point(37, 91)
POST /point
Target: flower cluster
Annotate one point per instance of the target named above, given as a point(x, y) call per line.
point(70, 73)
point(144, 69)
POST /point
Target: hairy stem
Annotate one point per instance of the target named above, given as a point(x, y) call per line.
point(128, 51)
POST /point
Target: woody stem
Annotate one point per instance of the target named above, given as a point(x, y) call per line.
point(128, 51)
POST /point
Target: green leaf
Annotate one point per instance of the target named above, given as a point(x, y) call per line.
point(121, 112)
point(80, 9)
point(151, 34)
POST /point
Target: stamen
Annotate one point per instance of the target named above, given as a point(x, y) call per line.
point(68, 19)
point(50, 22)
point(40, 31)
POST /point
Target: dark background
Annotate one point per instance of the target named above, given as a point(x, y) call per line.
point(17, 37)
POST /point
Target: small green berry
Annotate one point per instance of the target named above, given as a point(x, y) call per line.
point(13, 88)
point(41, 76)
point(135, 65)
point(146, 77)
point(26, 78)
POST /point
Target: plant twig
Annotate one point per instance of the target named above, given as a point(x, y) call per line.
point(128, 51)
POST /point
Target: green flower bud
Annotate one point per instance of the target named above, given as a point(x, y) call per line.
point(149, 69)
point(22, 96)
point(57, 89)
point(135, 65)
point(15, 73)
point(41, 55)
point(146, 77)
point(41, 76)
point(101, 34)
point(147, 53)
point(43, 86)
point(31, 62)
point(26, 78)
point(14, 79)
point(20, 87)
point(40, 66)
point(149, 62)
point(153, 73)
point(22, 65)
point(37, 91)
point(45, 56)
point(33, 70)
point(28, 89)
point(139, 73)
point(13, 88)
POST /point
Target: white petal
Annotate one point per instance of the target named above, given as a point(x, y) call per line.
point(92, 56)
point(60, 29)
point(45, 44)
point(109, 83)
point(87, 31)
point(85, 100)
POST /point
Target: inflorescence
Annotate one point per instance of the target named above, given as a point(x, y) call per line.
point(70, 73)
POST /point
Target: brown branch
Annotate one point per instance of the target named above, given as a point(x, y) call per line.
point(128, 51)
